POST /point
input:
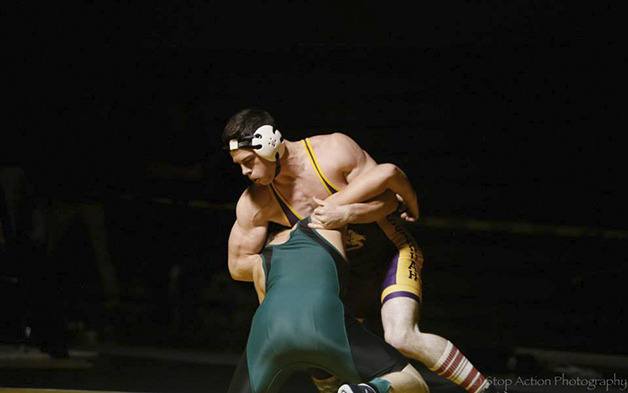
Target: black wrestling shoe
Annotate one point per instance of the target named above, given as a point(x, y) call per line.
point(361, 388)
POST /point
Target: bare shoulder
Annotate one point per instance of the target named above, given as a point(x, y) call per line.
point(344, 150)
point(252, 207)
point(336, 141)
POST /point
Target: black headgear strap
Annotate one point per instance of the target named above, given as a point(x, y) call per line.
point(243, 142)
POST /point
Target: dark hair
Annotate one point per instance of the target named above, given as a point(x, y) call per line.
point(245, 122)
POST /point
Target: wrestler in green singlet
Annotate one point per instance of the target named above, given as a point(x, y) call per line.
point(301, 323)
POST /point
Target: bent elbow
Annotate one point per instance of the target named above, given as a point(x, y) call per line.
point(236, 272)
point(390, 172)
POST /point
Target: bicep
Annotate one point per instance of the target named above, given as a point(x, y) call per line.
point(359, 161)
point(246, 240)
point(244, 246)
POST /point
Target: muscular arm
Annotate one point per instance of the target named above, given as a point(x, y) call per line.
point(246, 239)
point(372, 197)
point(375, 182)
point(369, 211)
point(352, 161)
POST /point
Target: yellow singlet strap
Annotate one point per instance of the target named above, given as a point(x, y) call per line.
point(329, 186)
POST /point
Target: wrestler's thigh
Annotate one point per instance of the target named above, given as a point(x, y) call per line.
point(400, 314)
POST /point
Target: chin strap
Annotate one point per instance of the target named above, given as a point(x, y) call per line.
point(278, 166)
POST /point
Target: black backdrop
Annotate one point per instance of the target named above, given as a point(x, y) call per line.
point(498, 111)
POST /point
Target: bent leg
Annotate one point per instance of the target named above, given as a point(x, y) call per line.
point(407, 380)
point(400, 318)
point(379, 363)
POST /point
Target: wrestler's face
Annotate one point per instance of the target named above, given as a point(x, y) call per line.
point(258, 170)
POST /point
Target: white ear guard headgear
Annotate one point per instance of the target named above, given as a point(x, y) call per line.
point(266, 142)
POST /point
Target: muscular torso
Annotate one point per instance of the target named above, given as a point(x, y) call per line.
point(369, 247)
point(291, 197)
point(300, 190)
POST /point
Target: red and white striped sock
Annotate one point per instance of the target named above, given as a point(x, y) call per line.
point(454, 366)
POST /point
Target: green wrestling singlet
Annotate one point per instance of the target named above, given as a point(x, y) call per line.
point(301, 324)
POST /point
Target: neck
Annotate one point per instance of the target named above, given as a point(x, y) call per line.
point(291, 162)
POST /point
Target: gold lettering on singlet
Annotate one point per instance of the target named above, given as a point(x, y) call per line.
point(354, 240)
point(401, 231)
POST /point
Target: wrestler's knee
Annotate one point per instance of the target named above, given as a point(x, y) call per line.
point(406, 339)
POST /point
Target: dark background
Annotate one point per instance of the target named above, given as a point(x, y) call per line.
point(500, 111)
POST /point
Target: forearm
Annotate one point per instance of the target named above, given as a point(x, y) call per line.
point(383, 177)
point(369, 185)
point(363, 188)
point(400, 185)
point(373, 210)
